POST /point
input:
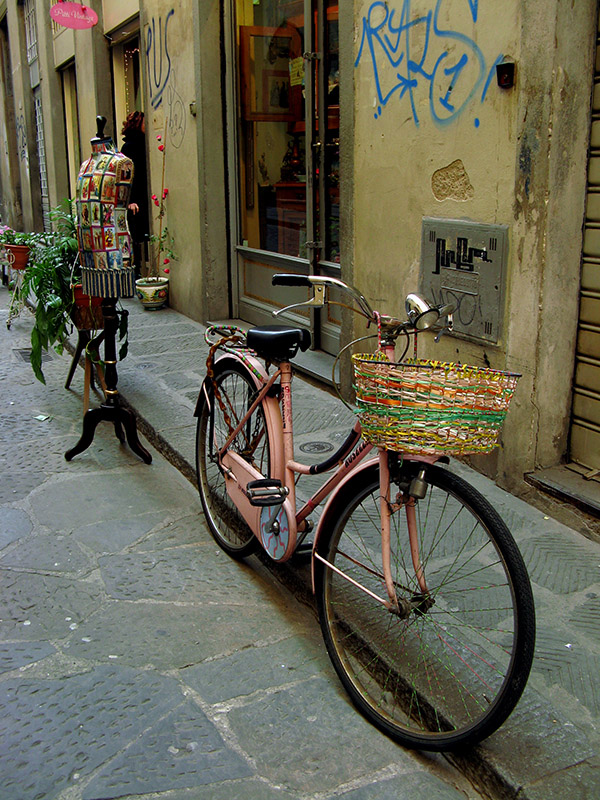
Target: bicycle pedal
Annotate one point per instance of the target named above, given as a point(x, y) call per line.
point(266, 492)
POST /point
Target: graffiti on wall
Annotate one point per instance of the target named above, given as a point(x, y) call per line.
point(418, 62)
point(161, 78)
point(21, 132)
point(158, 59)
point(176, 114)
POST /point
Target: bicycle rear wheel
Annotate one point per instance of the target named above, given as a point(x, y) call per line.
point(451, 672)
point(236, 392)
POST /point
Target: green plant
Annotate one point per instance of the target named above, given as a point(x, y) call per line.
point(48, 284)
point(10, 236)
point(163, 243)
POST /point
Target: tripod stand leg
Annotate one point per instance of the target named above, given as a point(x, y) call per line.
point(82, 340)
point(110, 410)
point(128, 420)
point(91, 419)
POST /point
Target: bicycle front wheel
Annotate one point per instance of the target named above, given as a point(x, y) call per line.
point(235, 393)
point(450, 671)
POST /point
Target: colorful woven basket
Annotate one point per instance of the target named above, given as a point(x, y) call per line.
point(431, 407)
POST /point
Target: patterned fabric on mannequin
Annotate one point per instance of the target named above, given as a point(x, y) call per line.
point(105, 246)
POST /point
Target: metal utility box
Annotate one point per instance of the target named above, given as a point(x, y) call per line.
point(465, 263)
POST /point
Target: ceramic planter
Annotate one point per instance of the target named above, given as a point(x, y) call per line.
point(153, 293)
point(87, 311)
point(18, 255)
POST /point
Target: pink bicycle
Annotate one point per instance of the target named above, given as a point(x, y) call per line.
point(423, 598)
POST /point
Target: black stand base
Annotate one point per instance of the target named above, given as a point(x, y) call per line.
point(118, 416)
point(110, 410)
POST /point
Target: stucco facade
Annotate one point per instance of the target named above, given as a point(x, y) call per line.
point(424, 130)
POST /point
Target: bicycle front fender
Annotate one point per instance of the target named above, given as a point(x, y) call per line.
point(348, 487)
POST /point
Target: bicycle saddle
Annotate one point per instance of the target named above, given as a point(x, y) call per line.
point(278, 342)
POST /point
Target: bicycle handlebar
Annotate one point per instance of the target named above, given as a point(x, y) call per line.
point(285, 279)
point(421, 315)
point(320, 283)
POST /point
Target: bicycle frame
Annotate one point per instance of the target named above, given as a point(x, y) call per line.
point(279, 423)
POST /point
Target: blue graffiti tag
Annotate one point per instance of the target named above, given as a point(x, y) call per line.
point(157, 50)
point(412, 55)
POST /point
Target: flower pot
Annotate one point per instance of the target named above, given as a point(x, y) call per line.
point(87, 311)
point(153, 293)
point(18, 255)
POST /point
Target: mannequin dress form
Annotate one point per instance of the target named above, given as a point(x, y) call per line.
point(105, 254)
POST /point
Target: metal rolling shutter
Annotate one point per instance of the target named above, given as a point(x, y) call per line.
point(585, 422)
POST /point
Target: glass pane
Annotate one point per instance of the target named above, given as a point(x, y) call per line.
point(272, 174)
point(332, 142)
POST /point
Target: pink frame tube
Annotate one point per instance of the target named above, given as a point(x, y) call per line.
point(279, 421)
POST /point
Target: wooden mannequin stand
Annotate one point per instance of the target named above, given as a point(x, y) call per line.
point(110, 410)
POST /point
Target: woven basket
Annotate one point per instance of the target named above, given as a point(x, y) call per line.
point(431, 407)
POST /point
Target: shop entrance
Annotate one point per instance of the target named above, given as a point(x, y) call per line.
point(286, 155)
point(585, 418)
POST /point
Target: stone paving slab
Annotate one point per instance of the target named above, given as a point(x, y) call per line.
point(309, 716)
point(185, 575)
point(249, 789)
point(175, 533)
point(55, 553)
point(54, 733)
point(14, 655)
point(43, 608)
point(256, 669)
point(103, 538)
point(15, 525)
point(183, 750)
point(130, 582)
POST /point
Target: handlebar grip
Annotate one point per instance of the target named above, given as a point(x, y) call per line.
point(289, 279)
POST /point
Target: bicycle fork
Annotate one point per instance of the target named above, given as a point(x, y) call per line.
point(404, 606)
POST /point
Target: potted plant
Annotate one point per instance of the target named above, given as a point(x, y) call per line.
point(51, 284)
point(153, 289)
point(17, 245)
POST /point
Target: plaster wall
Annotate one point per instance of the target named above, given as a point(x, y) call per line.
point(167, 55)
point(442, 139)
point(116, 12)
point(10, 183)
point(54, 119)
point(24, 122)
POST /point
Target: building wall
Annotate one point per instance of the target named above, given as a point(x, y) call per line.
point(28, 167)
point(168, 66)
point(442, 141)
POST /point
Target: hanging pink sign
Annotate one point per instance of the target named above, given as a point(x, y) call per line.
point(73, 15)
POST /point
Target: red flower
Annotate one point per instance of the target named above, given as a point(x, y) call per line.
point(167, 261)
point(161, 147)
point(167, 271)
point(165, 193)
point(159, 137)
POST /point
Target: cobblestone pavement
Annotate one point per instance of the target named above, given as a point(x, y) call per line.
point(137, 659)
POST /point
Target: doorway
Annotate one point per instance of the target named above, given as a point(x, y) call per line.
point(285, 152)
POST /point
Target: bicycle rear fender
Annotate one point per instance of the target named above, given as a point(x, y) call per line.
point(270, 406)
point(221, 361)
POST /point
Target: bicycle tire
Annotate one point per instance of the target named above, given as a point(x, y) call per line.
point(450, 674)
point(237, 391)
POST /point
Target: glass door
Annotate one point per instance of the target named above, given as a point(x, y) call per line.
point(287, 161)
